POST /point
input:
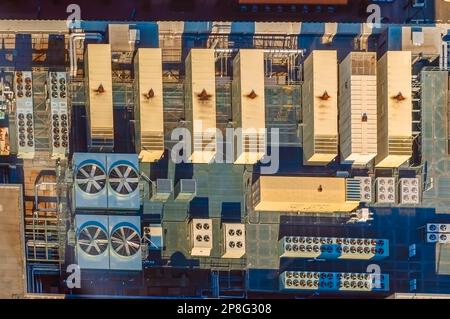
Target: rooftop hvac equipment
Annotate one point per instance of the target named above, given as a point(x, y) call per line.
point(57, 82)
point(394, 109)
point(409, 191)
point(249, 106)
point(99, 106)
point(438, 228)
point(385, 190)
point(125, 247)
point(301, 194)
point(149, 104)
point(154, 236)
point(443, 238)
point(90, 190)
point(123, 181)
point(201, 237)
point(200, 92)
point(234, 240)
point(333, 281)
point(162, 190)
point(432, 237)
point(365, 183)
point(92, 241)
point(186, 189)
point(106, 181)
point(23, 89)
point(320, 116)
point(334, 248)
point(358, 108)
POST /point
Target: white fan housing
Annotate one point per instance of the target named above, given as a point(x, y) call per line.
point(90, 181)
point(201, 236)
point(123, 181)
point(125, 242)
point(92, 241)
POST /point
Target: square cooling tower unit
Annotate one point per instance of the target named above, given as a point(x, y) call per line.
point(125, 242)
point(123, 181)
point(89, 188)
point(92, 241)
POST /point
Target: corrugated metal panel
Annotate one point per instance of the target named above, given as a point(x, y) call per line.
point(394, 109)
point(358, 108)
point(249, 105)
point(149, 104)
point(302, 194)
point(320, 107)
point(99, 103)
point(200, 90)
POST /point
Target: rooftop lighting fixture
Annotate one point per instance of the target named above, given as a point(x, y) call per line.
point(252, 95)
point(324, 96)
point(204, 96)
point(399, 97)
point(100, 89)
point(150, 94)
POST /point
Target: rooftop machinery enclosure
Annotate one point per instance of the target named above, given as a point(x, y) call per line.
point(249, 106)
point(149, 104)
point(302, 194)
point(394, 109)
point(99, 106)
point(320, 113)
point(358, 108)
point(200, 104)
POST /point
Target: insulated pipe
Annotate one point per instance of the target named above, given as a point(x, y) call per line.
point(73, 38)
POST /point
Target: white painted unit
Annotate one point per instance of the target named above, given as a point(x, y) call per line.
point(234, 240)
point(200, 104)
point(366, 188)
point(60, 115)
point(23, 89)
point(201, 237)
point(333, 281)
point(123, 181)
point(385, 190)
point(125, 242)
point(409, 191)
point(92, 241)
point(358, 108)
point(89, 189)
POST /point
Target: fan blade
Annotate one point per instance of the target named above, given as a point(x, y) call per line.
point(115, 180)
point(82, 181)
point(133, 234)
point(96, 247)
point(122, 232)
point(116, 240)
point(127, 172)
point(133, 244)
point(93, 169)
point(87, 233)
point(97, 232)
point(133, 180)
point(127, 249)
point(99, 177)
point(89, 186)
point(96, 185)
point(127, 186)
point(118, 172)
point(84, 172)
point(119, 188)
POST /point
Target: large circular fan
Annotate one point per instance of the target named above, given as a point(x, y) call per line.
point(91, 178)
point(125, 241)
point(93, 240)
point(123, 179)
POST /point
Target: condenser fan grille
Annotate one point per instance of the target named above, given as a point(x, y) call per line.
point(93, 240)
point(91, 178)
point(125, 241)
point(123, 179)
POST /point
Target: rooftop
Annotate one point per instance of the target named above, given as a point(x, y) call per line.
point(12, 266)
